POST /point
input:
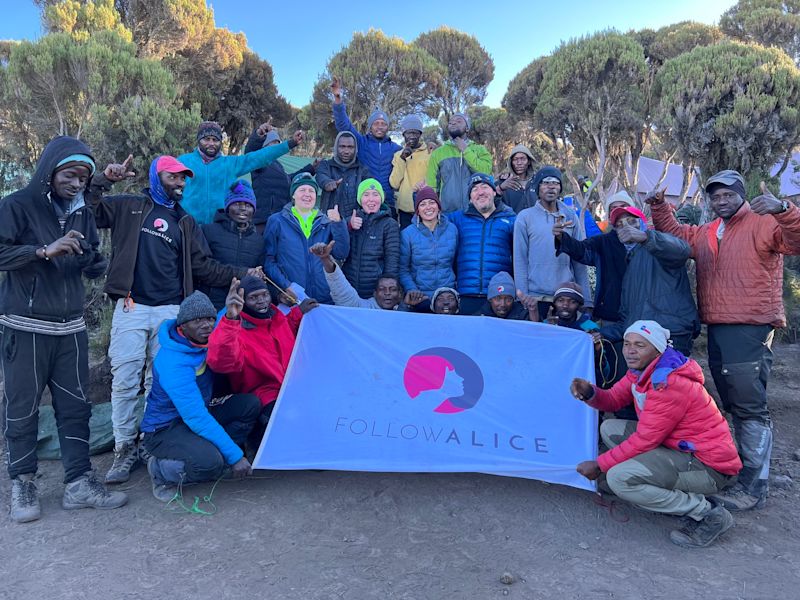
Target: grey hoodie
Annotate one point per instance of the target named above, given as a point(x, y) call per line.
point(351, 173)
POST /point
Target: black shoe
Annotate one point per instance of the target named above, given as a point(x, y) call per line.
point(699, 534)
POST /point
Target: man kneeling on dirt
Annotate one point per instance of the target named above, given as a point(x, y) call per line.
point(681, 449)
point(191, 436)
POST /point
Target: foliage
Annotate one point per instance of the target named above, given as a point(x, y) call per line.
point(766, 22)
point(468, 67)
point(82, 19)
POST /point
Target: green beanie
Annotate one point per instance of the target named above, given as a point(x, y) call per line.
point(303, 179)
point(370, 184)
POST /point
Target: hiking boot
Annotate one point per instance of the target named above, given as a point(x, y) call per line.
point(24, 501)
point(738, 498)
point(699, 534)
point(88, 492)
point(126, 459)
point(162, 489)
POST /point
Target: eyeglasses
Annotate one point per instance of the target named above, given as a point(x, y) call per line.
point(727, 196)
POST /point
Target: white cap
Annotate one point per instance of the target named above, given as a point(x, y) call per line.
point(652, 332)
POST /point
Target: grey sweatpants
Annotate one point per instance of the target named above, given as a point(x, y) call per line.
point(661, 480)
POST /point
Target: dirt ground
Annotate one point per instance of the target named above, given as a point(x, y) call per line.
point(360, 535)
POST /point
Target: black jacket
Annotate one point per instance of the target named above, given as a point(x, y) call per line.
point(33, 287)
point(346, 194)
point(230, 245)
point(374, 250)
point(517, 313)
point(270, 184)
point(125, 214)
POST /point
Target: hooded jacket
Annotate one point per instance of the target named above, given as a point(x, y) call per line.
point(518, 200)
point(449, 171)
point(254, 353)
point(517, 313)
point(649, 282)
point(288, 258)
point(740, 279)
point(484, 246)
point(270, 183)
point(182, 388)
point(673, 407)
point(232, 246)
point(408, 173)
point(205, 192)
point(374, 250)
point(373, 153)
point(125, 214)
point(427, 257)
point(48, 290)
point(352, 173)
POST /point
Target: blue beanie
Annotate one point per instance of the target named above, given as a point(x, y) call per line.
point(465, 117)
point(480, 178)
point(272, 136)
point(376, 114)
point(241, 191)
point(411, 122)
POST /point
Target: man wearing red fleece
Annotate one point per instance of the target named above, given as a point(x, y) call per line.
point(252, 344)
point(680, 450)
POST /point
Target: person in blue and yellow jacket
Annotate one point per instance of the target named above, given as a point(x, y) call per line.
point(192, 436)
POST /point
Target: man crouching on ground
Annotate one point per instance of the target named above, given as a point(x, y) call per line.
point(681, 449)
point(191, 436)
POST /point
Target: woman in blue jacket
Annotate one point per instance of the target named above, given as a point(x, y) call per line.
point(291, 232)
point(428, 246)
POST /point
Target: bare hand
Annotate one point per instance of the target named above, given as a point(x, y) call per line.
point(298, 136)
point(589, 469)
point(511, 183)
point(407, 151)
point(597, 337)
point(288, 297)
point(242, 468)
point(336, 90)
point(654, 197)
point(559, 226)
point(551, 318)
point(355, 221)
point(414, 297)
point(257, 272)
point(265, 128)
point(68, 245)
point(766, 203)
point(631, 235)
point(581, 389)
point(531, 304)
point(419, 185)
point(308, 304)
point(117, 172)
point(333, 214)
point(321, 250)
point(234, 302)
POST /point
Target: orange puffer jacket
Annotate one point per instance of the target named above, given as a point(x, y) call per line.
point(678, 409)
point(740, 280)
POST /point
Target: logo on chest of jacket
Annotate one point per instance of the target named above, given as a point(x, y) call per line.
point(160, 225)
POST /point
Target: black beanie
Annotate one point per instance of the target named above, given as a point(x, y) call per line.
point(251, 283)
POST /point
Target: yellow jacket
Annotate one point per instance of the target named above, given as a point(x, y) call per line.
point(408, 173)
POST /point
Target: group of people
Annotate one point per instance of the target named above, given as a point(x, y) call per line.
point(211, 275)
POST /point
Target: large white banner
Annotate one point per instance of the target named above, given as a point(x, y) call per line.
point(376, 390)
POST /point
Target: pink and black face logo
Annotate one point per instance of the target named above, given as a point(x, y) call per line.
point(449, 379)
point(160, 225)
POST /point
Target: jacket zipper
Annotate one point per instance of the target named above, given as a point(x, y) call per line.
point(33, 293)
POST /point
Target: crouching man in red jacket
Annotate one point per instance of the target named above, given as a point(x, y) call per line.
point(252, 345)
point(679, 452)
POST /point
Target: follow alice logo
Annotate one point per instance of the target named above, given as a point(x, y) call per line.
point(444, 377)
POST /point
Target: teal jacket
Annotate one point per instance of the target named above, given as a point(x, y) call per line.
point(205, 192)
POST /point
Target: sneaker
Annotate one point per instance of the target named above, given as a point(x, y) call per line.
point(738, 498)
point(88, 492)
point(162, 490)
point(24, 501)
point(699, 534)
point(126, 459)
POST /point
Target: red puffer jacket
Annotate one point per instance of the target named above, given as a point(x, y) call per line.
point(741, 279)
point(679, 409)
point(254, 353)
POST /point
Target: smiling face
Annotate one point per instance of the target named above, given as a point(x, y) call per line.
point(482, 198)
point(566, 308)
point(241, 213)
point(173, 184)
point(68, 183)
point(379, 129)
point(198, 330)
point(428, 210)
point(388, 293)
point(258, 301)
point(725, 202)
point(446, 304)
point(371, 201)
point(638, 352)
point(305, 198)
point(209, 146)
point(501, 305)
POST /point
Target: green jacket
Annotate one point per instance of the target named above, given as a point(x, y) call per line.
point(449, 171)
point(205, 192)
